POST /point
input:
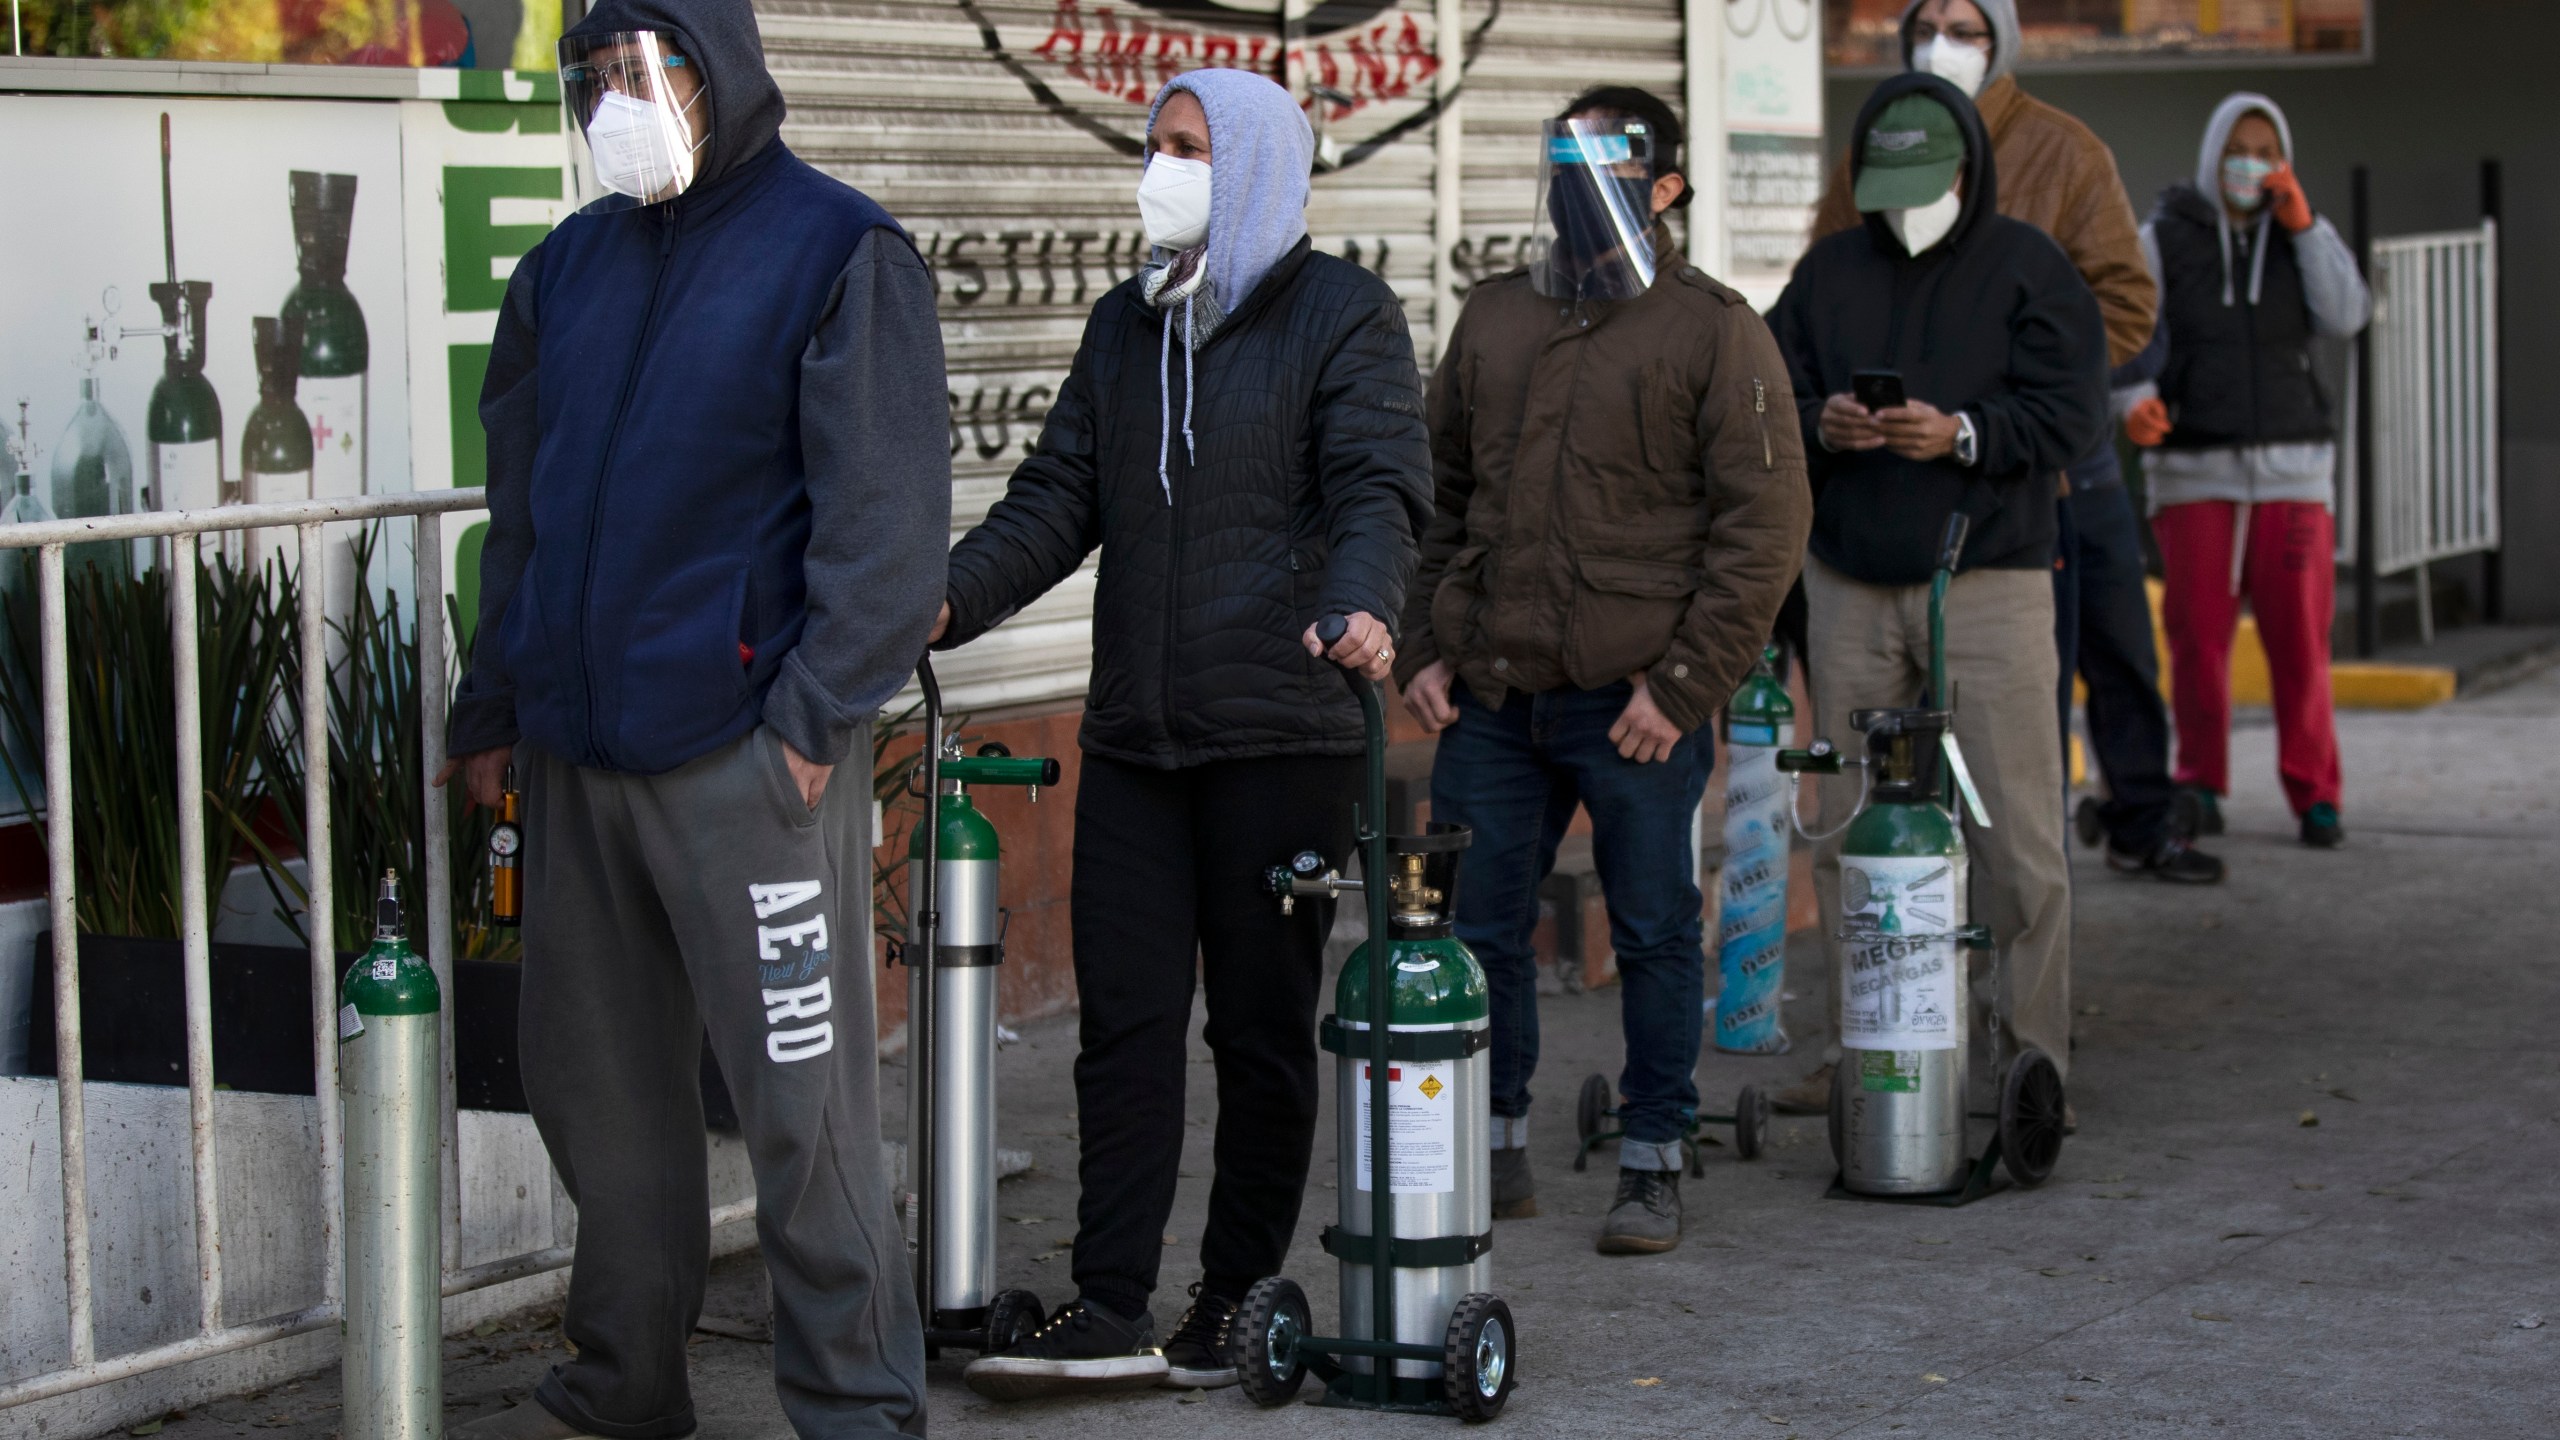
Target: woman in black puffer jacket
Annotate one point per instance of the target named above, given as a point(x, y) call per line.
point(1242, 437)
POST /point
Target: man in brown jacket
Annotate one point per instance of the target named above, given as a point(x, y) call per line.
point(2057, 175)
point(1621, 504)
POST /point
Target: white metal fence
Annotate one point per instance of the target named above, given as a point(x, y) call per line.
point(2434, 345)
point(217, 1332)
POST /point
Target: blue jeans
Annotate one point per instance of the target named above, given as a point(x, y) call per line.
point(2102, 622)
point(1516, 775)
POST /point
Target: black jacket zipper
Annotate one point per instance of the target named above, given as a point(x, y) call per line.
point(1760, 408)
point(604, 468)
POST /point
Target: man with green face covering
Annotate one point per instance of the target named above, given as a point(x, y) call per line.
point(1999, 349)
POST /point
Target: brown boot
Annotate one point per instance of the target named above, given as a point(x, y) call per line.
point(1808, 1096)
point(1515, 1190)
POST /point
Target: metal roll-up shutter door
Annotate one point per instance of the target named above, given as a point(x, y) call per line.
point(1535, 57)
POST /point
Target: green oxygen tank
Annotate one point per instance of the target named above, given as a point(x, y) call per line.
point(336, 359)
point(390, 1074)
point(92, 464)
point(1899, 1101)
point(184, 425)
point(275, 446)
point(1439, 1110)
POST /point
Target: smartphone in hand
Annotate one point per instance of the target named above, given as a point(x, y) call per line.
point(1876, 389)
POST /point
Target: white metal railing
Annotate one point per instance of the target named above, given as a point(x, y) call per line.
point(217, 1333)
point(2434, 348)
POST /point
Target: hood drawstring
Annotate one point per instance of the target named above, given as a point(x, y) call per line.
point(2257, 258)
point(1164, 390)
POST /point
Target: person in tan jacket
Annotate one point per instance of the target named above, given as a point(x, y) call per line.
point(1620, 506)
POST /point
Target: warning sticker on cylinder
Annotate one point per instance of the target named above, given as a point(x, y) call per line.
point(1902, 978)
point(1422, 1130)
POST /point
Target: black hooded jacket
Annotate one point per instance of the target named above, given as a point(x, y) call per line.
point(719, 471)
point(1313, 477)
point(1994, 322)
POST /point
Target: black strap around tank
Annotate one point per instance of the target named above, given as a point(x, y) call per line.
point(964, 956)
point(1414, 1045)
point(1438, 1252)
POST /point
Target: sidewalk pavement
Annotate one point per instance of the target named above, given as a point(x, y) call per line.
point(2312, 1194)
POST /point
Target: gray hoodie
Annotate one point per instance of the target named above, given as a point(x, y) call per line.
point(1261, 153)
point(2332, 287)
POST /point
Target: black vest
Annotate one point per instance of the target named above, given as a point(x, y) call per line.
point(2238, 374)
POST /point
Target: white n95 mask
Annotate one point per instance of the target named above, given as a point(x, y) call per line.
point(1173, 201)
point(635, 149)
point(1953, 61)
point(1922, 226)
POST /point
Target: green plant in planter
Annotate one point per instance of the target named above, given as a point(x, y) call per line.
point(376, 800)
point(124, 733)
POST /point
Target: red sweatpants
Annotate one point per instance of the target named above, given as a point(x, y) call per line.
point(2290, 581)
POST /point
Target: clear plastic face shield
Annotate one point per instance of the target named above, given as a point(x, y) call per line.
point(1591, 237)
point(641, 110)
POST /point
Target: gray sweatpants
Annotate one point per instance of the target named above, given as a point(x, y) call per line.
point(654, 906)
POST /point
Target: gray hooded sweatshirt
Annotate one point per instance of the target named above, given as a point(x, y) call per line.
point(2332, 287)
point(1261, 154)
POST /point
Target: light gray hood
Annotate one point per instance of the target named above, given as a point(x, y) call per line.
point(1261, 152)
point(2006, 38)
point(2217, 133)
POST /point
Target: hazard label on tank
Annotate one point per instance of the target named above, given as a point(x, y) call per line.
point(1422, 1131)
point(1903, 978)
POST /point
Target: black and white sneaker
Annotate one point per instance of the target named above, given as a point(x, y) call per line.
point(1083, 1350)
point(2173, 860)
point(1200, 1355)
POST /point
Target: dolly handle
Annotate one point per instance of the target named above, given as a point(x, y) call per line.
point(1951, 549)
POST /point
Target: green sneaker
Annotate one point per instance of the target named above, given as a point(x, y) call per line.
point(2320, 827)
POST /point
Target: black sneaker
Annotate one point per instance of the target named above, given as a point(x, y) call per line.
point(1084, 1349)
point(1198, 1357)
point(2320, 827)
point(1645, 1218)
point(2173, 860)
point(2199, 811)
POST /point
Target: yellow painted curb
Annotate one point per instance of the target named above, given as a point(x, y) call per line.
point(2362, 686)
point(2353, 684)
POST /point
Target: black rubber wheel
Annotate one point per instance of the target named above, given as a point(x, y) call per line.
point(1591, 1107)
point(1750, 1123)
point(1011, 1317)
point(1480, 1361)
point(2031, 1112)
point(1268, 1327)
point(995, 750)
point(1840, 1114)
point(2084, 820)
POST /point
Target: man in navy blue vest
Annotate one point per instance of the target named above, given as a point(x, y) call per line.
point(719, 493)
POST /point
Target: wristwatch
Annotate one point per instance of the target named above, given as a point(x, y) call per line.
point(1968, 444)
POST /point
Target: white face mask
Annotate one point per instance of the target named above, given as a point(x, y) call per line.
point(633, 147)
point(1173, 200)
point(1953, 61)
point(1922, 226)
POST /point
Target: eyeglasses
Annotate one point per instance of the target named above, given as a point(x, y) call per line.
point(1924, 31)
point(630, 75)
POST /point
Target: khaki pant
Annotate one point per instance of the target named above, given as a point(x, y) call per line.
point(1870, 650)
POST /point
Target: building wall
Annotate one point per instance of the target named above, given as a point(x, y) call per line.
point(2452, 82)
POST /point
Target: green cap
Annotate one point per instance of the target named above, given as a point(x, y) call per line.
point(1911, 156)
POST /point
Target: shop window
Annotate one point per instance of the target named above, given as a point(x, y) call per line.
point(1862, 35)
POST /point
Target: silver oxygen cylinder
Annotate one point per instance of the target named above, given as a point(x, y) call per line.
point(962, 1050)
point(390, 1070)
point(1899, 1099)
point(1439, 1097)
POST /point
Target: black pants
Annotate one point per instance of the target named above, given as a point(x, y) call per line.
point(2103, 623)
point(1168, 877)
